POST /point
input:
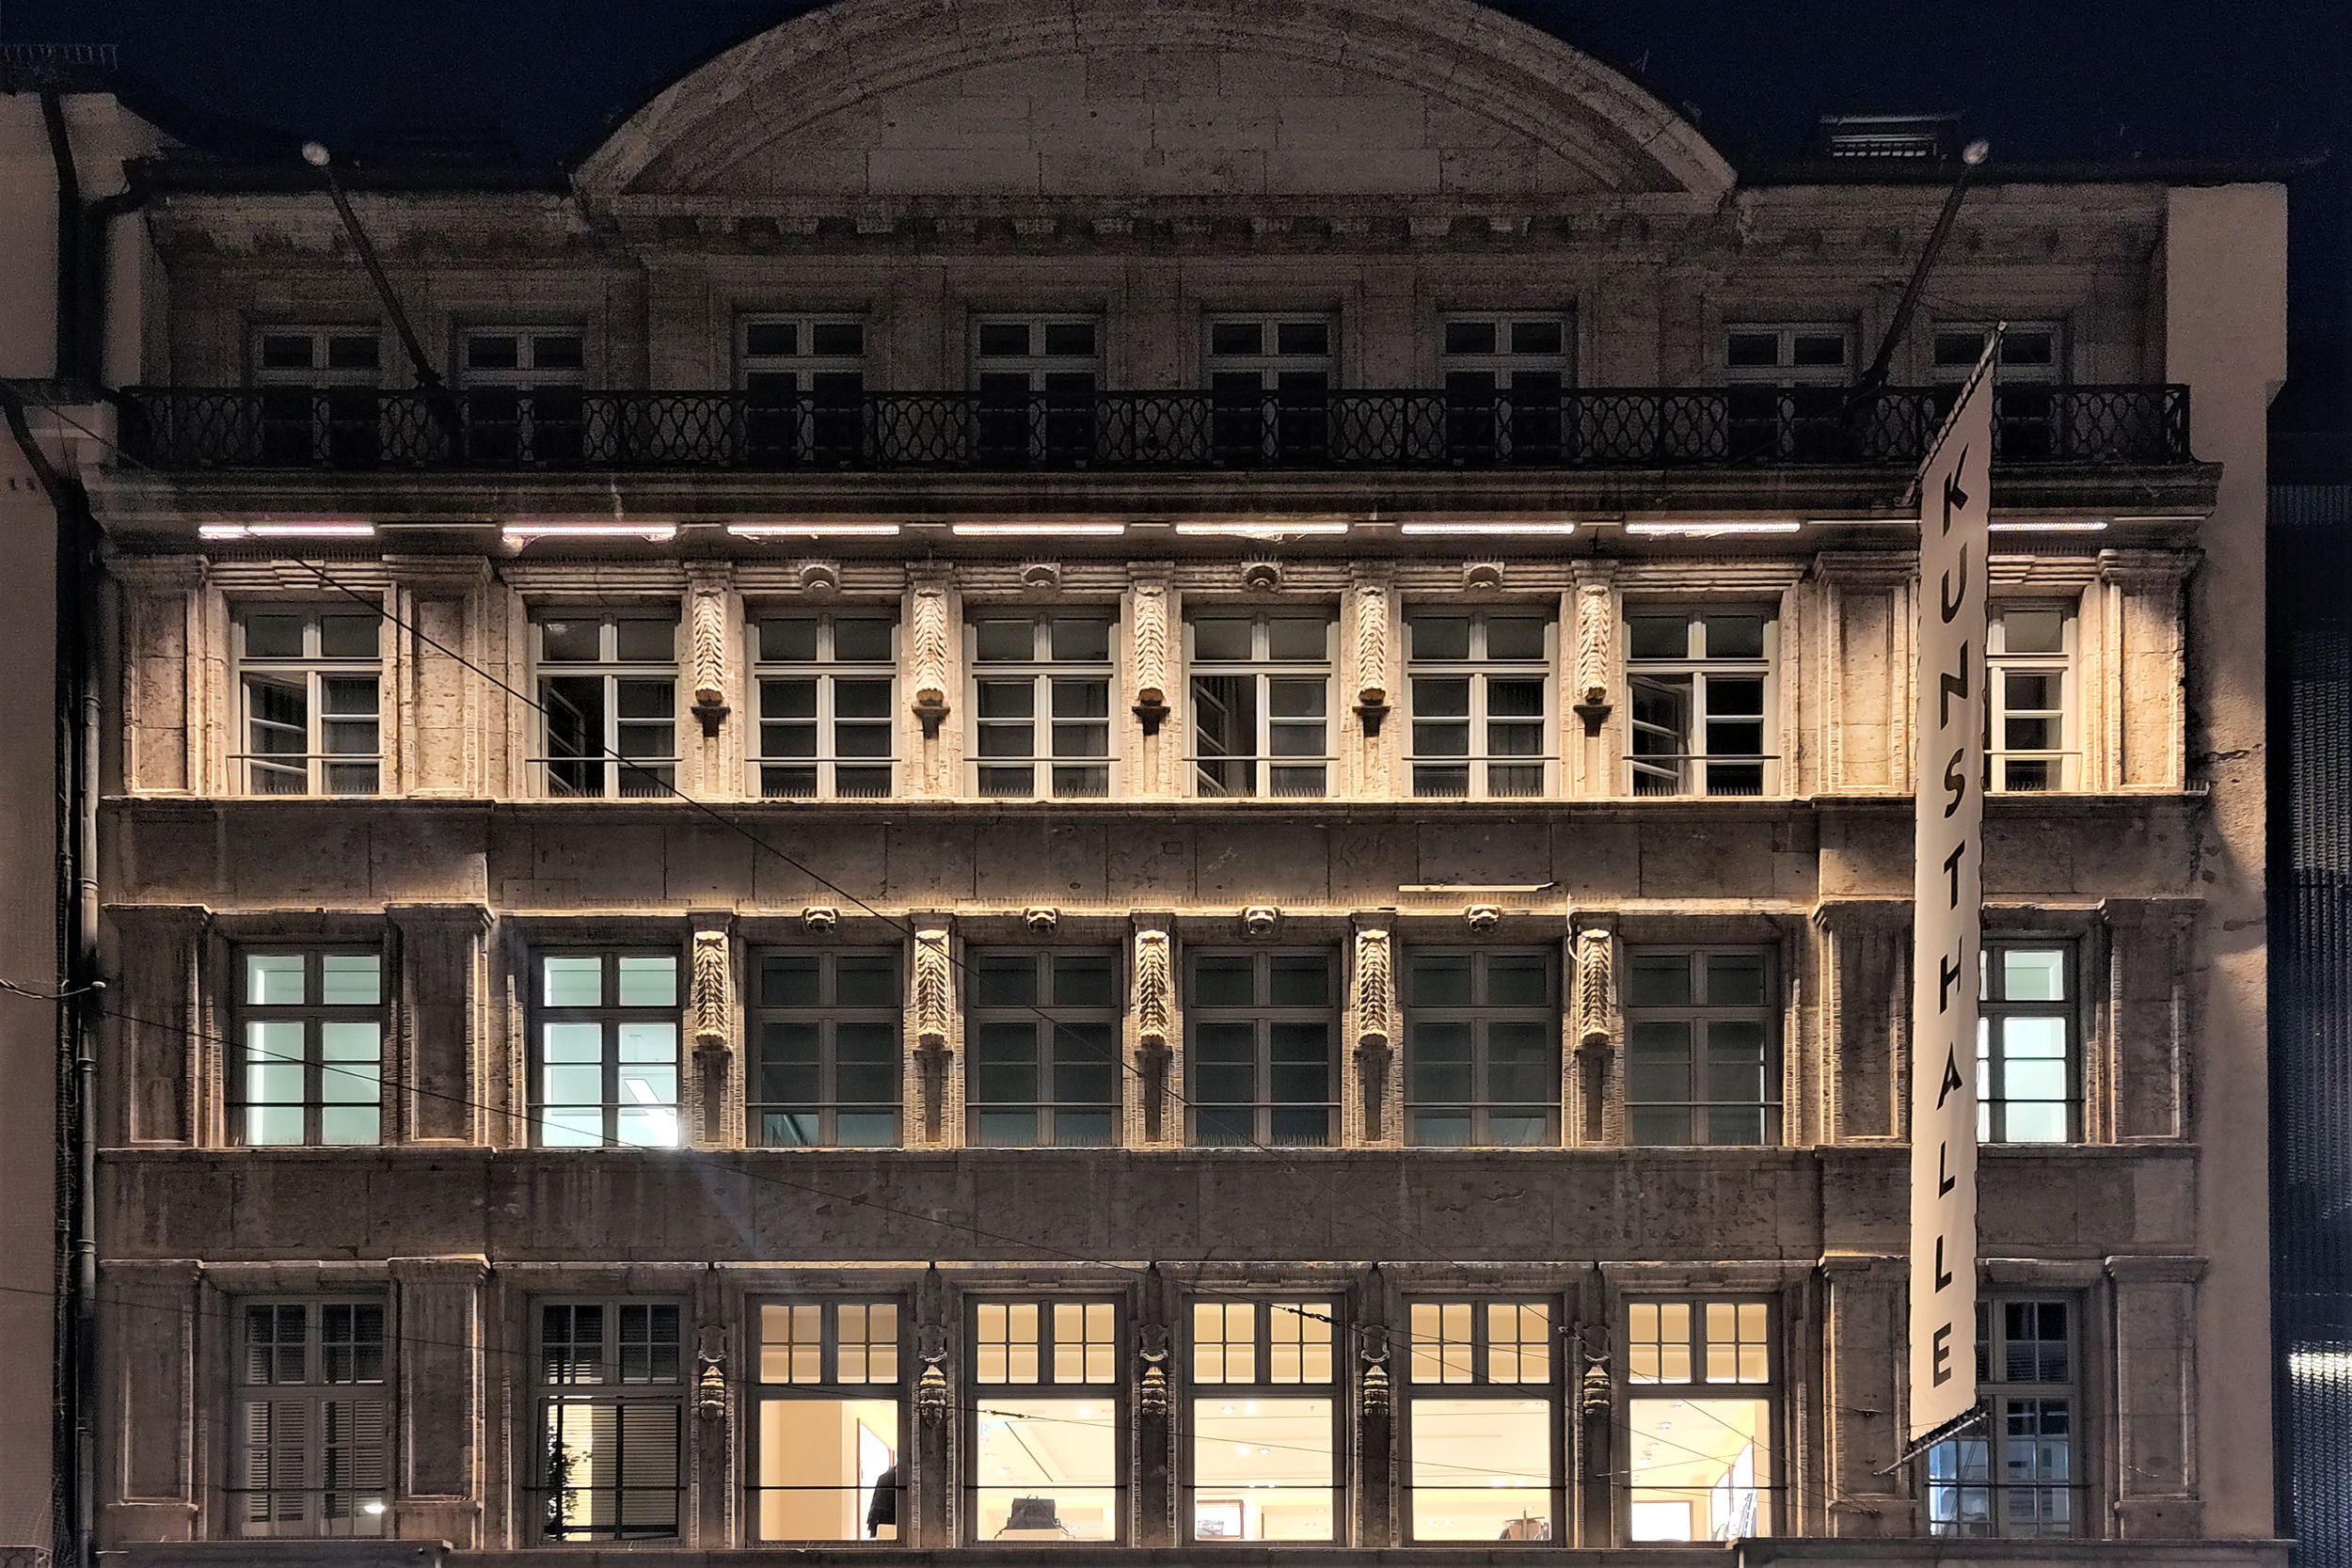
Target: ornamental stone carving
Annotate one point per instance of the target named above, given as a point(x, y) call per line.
point(1482, 576)
point(1595, 1009)
point(1373, 1026)
point(710, 990)
point(819, 578)
point(707, 627)
point(1153, 971)
point(1596, 626)
point(1040, 577)
point(1372, 652)
point(1262, 577)
point(930, 637)
point(1150, 635)
point(934, 989)
point(1041, 918)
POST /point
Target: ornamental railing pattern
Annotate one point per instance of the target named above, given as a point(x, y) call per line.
point(358, 428)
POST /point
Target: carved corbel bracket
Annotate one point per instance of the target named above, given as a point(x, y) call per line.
point(1374, 1027)
point(1152, 1053)
point(708, 581)
point(711, 1372)
point(1149, 638)
point(711, 991)
point(1372, 650)
point(1152, 709)
point(1596, 625)
point(1596, 1009)
point(1371, 706)
point(1151, 1390)
point(934, 1012)
point(932, 638)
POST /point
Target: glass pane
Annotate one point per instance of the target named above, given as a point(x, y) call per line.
point(351, 979)
point(1657, 636)
point(274, 979)
point(1699, 1469)
point(1292, 638)
point(1515, 639)
point(1086, 980)
point(2033, 631)
point(788, 981)
point(273, 636)
point(1480, 1469)
point(1220, 638)
point(640, 642)
point(1262, 1470)
point(1004, 980)
point(1046, 1470)
point(829, 1469)
point(1299, 979)
point(1440, 636)
point(1075, 639)
point(1438, 980)
point(1658, 980)
point(1735, 637)
point(866, 980)
point(2033, 973)
point(572, 981)
point(649, 981)
point(345, 635)
point(1519, 980)
point(1735, 979)
point(570, 641)
point(1221, 980)
point(1005, 641)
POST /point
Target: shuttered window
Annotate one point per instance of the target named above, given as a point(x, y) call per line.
point(612, 1381)
point(313, 1450)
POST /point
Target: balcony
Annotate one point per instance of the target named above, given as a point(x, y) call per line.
point(1722, 429)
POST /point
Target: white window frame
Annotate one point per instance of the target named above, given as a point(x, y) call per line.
point(1478, 760)
point(825, 765)
point(1261, 669)
point(1269, 362)
point(315, 671)
point(1504, 361)
point(2061, 666)
point(1050, 777)
point(1785, 371)
point(326, 1454)
point(2009, 368)
point(1038, 364)
point(654, 777)
point(1698, 760)
point(802, 363)
point(802, 405)
point(614, 1390)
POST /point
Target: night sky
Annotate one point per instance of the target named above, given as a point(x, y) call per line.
point(2039, 78)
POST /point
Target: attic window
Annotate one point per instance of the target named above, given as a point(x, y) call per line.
point(1907, 138)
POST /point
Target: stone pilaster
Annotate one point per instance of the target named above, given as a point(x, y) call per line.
point(2157, 1494)
point(439, 1366)
point(435, 1053)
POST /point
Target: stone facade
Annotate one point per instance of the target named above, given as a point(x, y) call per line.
point(1379, 171)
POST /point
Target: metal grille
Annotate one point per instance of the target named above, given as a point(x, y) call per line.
point(1641, 428)
point(2310, 1003)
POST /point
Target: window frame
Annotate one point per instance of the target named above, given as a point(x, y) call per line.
point(1261, 669)
point(1046, 676)
point(1261, 1016)
point(1491, 414)
point(523, 413)
point(1700, 669)
point(804, 406)
point(1479, 1383)
point(315, 669)
point(1049, 1017)
point(1479, 760)
point(321, 412)
point(1198, 1391)
point(1697, 1387)
point(546, 1393)
point(826, 1014)
point(829, 1387)
point(1786, 409)
point(2063, 666)
point(1766, 1013)
point(614, 770)
point(1114, 1387)
point(610, 1015)
point(826, 761)
point(1271, 405)
point(315, 1389)
point(1051, 417)
point(313, 1016)
point(1994, 1007)
point(1998, 1394)
point(1785, 371)
point(1479, 1013)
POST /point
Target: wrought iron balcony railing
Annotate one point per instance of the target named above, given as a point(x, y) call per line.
point(360, 428)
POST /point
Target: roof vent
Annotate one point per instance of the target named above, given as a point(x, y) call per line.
point(1901, 139)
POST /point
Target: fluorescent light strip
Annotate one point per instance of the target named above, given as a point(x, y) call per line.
point(1260, 531)
point(1709, 530)
point(653, 534)
point(813, 530)
point(1012, 530)
point(1552, 531)
point(2072, 526)
point(285, 530)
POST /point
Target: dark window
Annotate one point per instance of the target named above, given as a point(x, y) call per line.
point(1700, 1064)
point(829, 1052)
point(610, 1462)
point(1261, 1027)
point(2019, 1474)
point(1482, 1048)
point(1044, 1054)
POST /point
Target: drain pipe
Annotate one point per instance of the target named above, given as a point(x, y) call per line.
point(69, 234)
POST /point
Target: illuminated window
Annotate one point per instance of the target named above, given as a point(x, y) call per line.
point(314, 1440)
point(829, 1405)
point(1048, 1461)
point(2016, 1475)
point(1263, 1027)
point(1699, 1421)
point(2029, 676)
point(610, 1462)
point(2026, 1070)
point(312, 1032)
point(827, 718)
point(310, 681)
point(827, 1051)
point(1700, 1064)
point(1264, 1421)
point(1702, 695)
point(606, 1025)
point(1483, 1458)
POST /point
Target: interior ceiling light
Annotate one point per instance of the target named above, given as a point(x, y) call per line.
point(2072, 525)
point(1552, 530)
point(1260, 530)
point(813, 530)
point(653, 534)
point(285, 530)
point(1008, 531)
point(1711, 531)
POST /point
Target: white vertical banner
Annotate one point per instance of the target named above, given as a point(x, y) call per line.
point(1955, 508)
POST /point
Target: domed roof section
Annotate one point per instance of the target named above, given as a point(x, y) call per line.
point(1168, 97)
